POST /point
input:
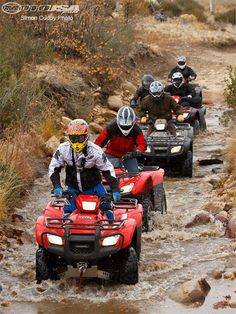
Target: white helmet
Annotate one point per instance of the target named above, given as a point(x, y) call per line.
point(156, 89)
point(125, 119)
point(177, 79)
point(181, 62)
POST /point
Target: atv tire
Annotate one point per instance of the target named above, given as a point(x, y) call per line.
point(160, 199)
point(128, 267)
point(196, 127)
point(187, 165)
point(43, 268)
point(147, 222)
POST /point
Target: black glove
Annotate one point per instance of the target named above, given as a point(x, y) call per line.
point(131, 155)
point(133, 104)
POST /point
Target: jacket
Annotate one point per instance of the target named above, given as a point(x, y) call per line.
point(83, 170)
point(140, 94)
point(117, 144)
point(159, 108)
point(186, 71)
point(184, 90)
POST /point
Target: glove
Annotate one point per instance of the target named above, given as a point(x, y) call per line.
point(180, 118)
point(133, 104)
point(116, 196)
point(143, 120)
point(190, 96)
point(58, 192)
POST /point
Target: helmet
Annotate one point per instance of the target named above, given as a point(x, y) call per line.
point(125, 119)
point(156, 89)
point(147, 80)
point(177, 79)
point(77, 132)
point(181, 62)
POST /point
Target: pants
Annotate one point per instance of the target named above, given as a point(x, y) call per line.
point(170, 127)
point(98, 190)
point(131, 165)
point(194, 102)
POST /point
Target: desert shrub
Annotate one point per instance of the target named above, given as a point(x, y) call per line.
point(134, 7)
point(10, 189)
point(231, 156)
point(227, 17)
point(179, 7)
point(230, 89)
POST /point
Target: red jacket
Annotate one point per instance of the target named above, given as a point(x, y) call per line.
point(117, 144)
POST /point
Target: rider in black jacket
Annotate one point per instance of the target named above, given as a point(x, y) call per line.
point(142, 91)
point(188, 73)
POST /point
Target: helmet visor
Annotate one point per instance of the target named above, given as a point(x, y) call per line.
point(78, 138)
point(181, 63)
point(177, 82)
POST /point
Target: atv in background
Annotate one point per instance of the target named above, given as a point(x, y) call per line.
point(173, 152)
point(86, 242)
point(147, 187)
point(194, 116)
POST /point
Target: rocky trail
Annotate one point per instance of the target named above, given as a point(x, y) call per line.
point(171, 254)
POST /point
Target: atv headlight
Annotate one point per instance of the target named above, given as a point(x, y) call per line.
point(89, 205)
point(127, 188)
point(54, 239)
point(185, 115)
point(148, 149)
point(112, 240)
point(175, 149)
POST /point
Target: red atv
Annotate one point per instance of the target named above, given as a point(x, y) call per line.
point(87, 243)
point(194, 116)
point(147, 187)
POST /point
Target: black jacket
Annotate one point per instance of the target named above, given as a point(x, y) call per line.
point(186, 71)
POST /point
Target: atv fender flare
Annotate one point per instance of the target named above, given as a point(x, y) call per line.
point(144, 185)
point(40, 225)
point(129, 231)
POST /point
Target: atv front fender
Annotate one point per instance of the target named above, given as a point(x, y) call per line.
point(128, 231)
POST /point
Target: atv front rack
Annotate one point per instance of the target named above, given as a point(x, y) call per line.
point(126, 203)
point(62, 223)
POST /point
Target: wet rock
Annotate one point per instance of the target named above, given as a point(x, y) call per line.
point(1, 288)
point(231, 228)
point(95, 127)
point(16, 218)
point(191, 291)
point(1, 256)
point(221, 304)
point(213, 207)
point(222, 216)
point(233, 305)
point(115, 102)
point(5, 304)
point(227, 207)
point(229, 275)
point(199, 219)
point(209, 161)
point(51, 145)
point(214, 182)
point(217, 170)
point(216, 274)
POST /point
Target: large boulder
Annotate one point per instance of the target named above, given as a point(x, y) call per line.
point(51, 145)
point(115, 102)
point(214, 207)
point(128, 86)
point(95, 127)
point(231, 228)
point(191, 291)
point(200, 219)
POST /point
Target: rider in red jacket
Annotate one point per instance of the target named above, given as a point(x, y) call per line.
point(124, 140)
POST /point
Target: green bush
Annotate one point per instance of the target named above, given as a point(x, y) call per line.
point(179, 7)
point(227, 17)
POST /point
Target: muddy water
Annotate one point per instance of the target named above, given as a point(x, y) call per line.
point(171, 254)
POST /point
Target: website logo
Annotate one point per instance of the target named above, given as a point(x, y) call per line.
point(14, 8)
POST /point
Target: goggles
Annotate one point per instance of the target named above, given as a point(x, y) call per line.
point(78, 138)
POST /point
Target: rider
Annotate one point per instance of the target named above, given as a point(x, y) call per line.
point(83, 162)
point(184, 90)
point(124, 140)
point(143, 90)
point(159, 105)
point(188, 73)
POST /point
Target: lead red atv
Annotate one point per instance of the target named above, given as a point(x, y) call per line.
point(147, 187)
point(87, 242)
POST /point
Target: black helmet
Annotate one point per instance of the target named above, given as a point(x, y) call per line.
point(147, 80)
point(125, 119)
